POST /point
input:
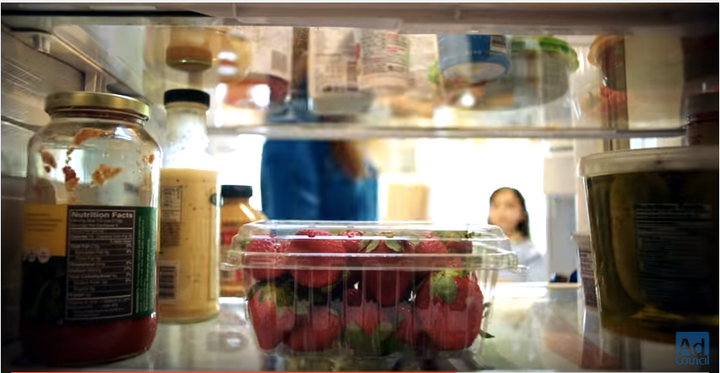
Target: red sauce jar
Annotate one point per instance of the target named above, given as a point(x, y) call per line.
point(90, 237)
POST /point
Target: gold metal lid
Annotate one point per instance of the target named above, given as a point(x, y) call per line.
point(73, 100)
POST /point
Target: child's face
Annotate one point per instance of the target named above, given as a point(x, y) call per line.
point(506, 211)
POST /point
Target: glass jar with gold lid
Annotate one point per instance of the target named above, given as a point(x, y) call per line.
point(90, 231)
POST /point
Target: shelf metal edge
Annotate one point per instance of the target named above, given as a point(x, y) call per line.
point(328, 131)
point(569, 18)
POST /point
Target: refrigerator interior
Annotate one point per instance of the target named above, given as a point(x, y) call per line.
point(439, 159)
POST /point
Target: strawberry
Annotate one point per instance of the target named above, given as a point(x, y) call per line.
point(315, 244)
point(265, 266)
point(456, 241)
point(436, 251)
point(317, 333)
point(450, 307)
point(407, 329)
point(386, 287)
point(351, 245)
point(271, 313)
point(381, 248)
point(366, 327)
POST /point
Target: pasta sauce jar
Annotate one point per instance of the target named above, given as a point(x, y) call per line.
point(90, 232)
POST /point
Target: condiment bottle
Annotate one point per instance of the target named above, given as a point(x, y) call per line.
point(235, 212)
point(188, 264)
point(89, 232)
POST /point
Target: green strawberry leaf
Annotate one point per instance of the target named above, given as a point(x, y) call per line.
point(394, 246)
point(382, 331)
point(486, 335)
point(414, 240)
point(279, 310)
point(357, 338)
point(392, 345)
point(444, 287)
point(369, 245)
point(301, 308)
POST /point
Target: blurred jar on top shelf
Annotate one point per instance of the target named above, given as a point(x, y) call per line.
point(325, 73)
point(383, 58)
point(234, 213)
point(194, 57)
point(466, 63)
point(466, 60)
point(641, 78)
point(421, 95)
point(267, 86)
point(537, 73)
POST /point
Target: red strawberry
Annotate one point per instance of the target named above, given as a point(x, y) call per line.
point(351, 245)
point(386, 287)
point(456, 241)
point(366, 327)
point(271, 314)
point(407, 329)
point(459, 247)
point(450, 307)
point(353, 298)
point(265, 266)
point(380, 250)
point(436, 251)
point(317, 333)
point(315, 244)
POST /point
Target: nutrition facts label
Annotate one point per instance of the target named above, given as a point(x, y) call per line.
point(100, 257)
point(672, 248)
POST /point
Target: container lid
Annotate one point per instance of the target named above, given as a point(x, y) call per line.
point(362, 245)
point(599, 44)
point(546, 44)
point(187, 95)
point(236, 191)
point(644, 160)
point(75, 100)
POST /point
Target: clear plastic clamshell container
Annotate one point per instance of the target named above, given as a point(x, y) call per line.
point(368, 289)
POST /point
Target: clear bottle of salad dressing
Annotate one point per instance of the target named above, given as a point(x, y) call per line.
point(188, 263)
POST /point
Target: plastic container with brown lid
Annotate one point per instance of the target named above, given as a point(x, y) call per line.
point(654, 226)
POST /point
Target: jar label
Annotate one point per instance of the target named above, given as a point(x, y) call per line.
point(88, 263)
point(672, 248)
point(332, 62)
point(384, 60)
point(587, 275)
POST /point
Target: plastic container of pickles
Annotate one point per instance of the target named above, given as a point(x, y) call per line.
point(653, 225)
point(369, 289)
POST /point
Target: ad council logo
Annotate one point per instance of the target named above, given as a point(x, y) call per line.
point(690, 348)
